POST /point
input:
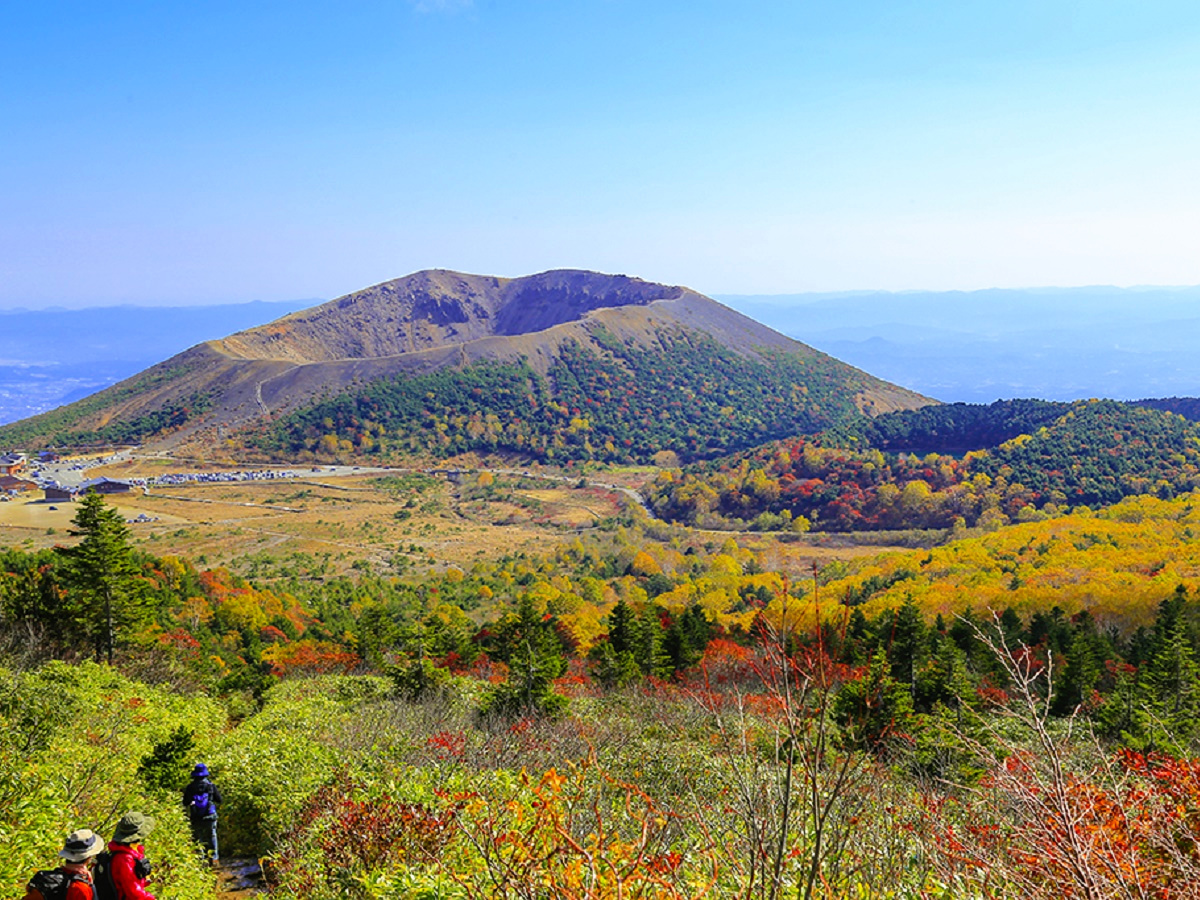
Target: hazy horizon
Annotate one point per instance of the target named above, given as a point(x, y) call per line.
point(781, 297)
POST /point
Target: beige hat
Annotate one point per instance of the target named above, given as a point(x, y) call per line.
point(81, 846)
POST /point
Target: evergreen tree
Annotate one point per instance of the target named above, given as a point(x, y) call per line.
point(874, 710)
point(965, 632)
point(613, 669)
point(1012, 629)
point(860, 643)
point(1051, 631)
point(943, 678)
point(1171, 693)
point(687, 637)
point(530, 646)
point(647, 644)
point(621, 627)
point(105, 594)
point(908, 641)
point(1085, 664)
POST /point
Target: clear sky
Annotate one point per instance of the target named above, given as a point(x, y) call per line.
point(182, 152)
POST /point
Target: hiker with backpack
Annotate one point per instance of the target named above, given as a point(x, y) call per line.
point(200, 799)
point(121, 872)
point(73, 879)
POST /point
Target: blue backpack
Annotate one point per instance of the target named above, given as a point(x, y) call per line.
point(200, 804)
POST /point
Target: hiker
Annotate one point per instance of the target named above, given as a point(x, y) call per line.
point(73, 879)
point(128, 868)
point(200, 799)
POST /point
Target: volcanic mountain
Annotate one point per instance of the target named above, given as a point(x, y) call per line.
point(563, 364)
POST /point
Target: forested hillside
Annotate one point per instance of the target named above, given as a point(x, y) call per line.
point(943, 467)
point(687, 395)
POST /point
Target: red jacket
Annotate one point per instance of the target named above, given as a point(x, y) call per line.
point(80, 890)
point(128, 885)
point(76, 890)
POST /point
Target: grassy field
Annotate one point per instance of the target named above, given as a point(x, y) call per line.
point(327, 524)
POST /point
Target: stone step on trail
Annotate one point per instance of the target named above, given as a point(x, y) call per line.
point(239, 878)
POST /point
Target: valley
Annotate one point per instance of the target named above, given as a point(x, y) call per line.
point(577, 586)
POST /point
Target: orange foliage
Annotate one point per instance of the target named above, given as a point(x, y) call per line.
point(310, 658)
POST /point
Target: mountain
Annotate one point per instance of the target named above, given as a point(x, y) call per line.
point(566, 364)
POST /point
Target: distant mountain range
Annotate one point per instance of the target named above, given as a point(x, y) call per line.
point(562, 365)
point(981, 346)
point(51, 357)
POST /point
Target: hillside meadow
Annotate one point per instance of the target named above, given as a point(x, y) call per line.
point(591, 704)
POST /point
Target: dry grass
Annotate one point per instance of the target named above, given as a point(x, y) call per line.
point(414, 523)
point(344, 518)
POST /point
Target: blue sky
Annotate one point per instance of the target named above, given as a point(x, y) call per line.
point(171, 152)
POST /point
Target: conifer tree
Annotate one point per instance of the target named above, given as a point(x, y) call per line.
point(908, 641)
point(943, 678)
point(648, 647)
point(1085, 664)
point(106, 596)
point(621, 627)
point(1171, 693)
point(875, 709)
point(535, 658)
point(613, 669)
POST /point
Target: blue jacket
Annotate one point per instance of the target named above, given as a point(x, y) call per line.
point(201, 798)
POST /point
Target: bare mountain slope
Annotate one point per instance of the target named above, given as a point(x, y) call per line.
point(425, 323)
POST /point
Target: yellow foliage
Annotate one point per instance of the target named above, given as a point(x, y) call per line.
point(1118, 563)
point(724, 564)
point(644, 564)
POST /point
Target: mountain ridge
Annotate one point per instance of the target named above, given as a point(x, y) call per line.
point(423, 323)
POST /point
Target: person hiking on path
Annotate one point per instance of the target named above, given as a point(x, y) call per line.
point(200, 799)
point(128, 867)
point(73, 879)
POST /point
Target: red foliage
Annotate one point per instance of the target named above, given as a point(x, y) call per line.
point(349, 833)
point(447, 744)
point(313, 658)
point(180, 640)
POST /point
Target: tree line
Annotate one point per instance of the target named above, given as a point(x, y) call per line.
point(1085, 454)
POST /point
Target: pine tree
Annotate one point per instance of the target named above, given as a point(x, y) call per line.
point(1171, 692)
point(907, 642)
point(875, 709)
point(943, 679)
point(105, 595)
point(1081, 673)
point(613, 669)
point(621, 627)
point(687, 637)
point(535, 658)
point(647, 644)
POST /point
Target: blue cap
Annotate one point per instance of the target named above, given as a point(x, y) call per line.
point(201, 771)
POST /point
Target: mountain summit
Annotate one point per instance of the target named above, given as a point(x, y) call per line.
point(443, 361)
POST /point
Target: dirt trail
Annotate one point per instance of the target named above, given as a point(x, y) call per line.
point(237, 878)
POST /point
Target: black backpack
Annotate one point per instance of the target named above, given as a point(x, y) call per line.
point(102, 883)
point(103, 887)
point(51, 884)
